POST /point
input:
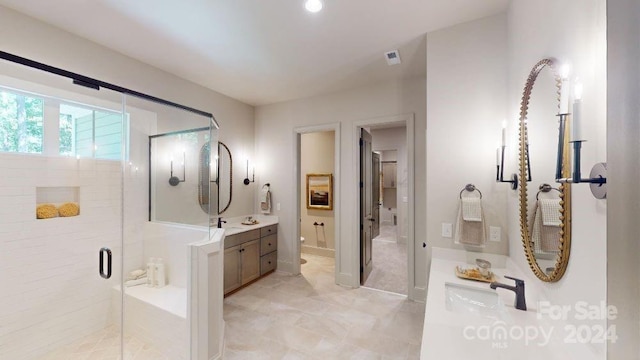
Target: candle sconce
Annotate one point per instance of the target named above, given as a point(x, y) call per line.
point(253, 175)
point(174, 180)
point(514, 176)
point(597, 179)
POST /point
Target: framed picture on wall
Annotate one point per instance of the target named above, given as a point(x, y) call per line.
point(320, 191)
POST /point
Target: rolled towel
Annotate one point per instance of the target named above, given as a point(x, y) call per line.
point(137, 274)
point(136, 282)
point(471, 209)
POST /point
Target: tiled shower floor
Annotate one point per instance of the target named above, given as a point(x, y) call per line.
point(105, 345)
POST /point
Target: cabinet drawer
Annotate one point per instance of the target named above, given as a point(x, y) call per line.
point(268, 263)
point(268, 230)
point(237, 239)
point(268, 244)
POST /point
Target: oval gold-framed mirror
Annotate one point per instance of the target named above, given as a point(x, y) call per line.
point(545, 213)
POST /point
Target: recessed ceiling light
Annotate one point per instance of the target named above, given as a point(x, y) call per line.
point(313, 5)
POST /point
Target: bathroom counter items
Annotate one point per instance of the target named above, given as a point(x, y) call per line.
point(235, 226)
point(456, 328)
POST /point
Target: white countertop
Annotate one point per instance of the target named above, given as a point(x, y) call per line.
point(458, 336)
point(235, 226)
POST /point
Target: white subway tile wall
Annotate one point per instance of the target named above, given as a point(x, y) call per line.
point(52, 293)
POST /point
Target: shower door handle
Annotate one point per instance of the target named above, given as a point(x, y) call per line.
point(101, 263)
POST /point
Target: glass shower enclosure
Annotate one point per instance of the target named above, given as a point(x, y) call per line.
point(100, 197)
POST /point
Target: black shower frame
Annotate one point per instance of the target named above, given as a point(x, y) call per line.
point(97, 84)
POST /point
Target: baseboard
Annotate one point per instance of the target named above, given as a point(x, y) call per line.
point(285, 267)
point(418, 294)
point(312, 250)
point(346, 280)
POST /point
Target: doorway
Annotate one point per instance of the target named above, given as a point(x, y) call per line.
point(386, 199)
point(318, 189)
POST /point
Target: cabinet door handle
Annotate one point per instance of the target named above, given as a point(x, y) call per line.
point(269, 244)
point(101, 263)
point(269, 262)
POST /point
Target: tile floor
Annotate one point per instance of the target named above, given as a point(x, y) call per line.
point(389, 262)
point(309, 317)
point(105, 345)
point(292, 317)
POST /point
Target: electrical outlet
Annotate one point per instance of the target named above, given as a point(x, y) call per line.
point(447, 230)
point(494, 233)
point(278, 206)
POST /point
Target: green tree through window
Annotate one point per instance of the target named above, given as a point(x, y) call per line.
point(21, 123)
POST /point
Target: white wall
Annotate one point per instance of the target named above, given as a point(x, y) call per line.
point(466, 92)
point(317, 157)
point(396, 139)
point(623, 212)
point(571, 31)
point(275, 126)
point(27, 37)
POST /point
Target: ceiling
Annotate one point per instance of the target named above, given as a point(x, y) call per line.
point(265, 51)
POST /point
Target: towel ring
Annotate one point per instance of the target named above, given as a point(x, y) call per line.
point(545, 188)
point(267, 185)
point(470, 188)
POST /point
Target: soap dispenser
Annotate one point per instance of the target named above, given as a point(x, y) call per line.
point(161, 280)
point(151, 272)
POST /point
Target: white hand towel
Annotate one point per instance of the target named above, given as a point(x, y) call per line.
point(470, 232)
point(536, 238)
point(545, 238)
point(471, 209)
point(265, 201)
point(550, 212)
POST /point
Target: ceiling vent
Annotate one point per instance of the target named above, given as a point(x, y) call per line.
point(393, 57)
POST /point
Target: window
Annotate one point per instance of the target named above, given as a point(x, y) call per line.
point(87, 132)
point(21, 123)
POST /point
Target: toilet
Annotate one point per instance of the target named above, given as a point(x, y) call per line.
point(302, 261)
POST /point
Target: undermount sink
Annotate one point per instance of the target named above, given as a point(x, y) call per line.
point(472, 300)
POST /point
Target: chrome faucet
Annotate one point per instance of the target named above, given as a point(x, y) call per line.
point(520, 301)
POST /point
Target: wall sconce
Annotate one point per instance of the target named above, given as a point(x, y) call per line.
point(598, 176)
point(500, 162)
point(174, 180)
point(253, 175)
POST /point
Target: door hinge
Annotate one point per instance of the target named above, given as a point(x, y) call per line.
point(361, 142)
point(361, 184)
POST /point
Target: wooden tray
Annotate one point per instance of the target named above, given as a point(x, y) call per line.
point(255, 222)
point(465, 274)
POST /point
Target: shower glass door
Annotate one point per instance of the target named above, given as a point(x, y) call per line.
point(166, 207)
point(61, 150)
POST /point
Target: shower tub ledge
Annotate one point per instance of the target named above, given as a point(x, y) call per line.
point(157, 316)
point(182, 323)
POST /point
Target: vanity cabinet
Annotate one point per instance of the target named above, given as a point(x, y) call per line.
point(248, 256)
point(268, 249)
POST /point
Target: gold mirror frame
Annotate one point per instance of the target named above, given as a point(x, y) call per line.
point(562, 258)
